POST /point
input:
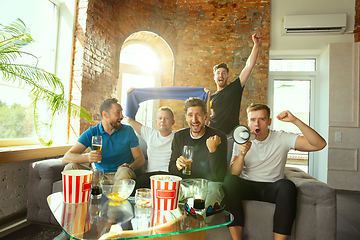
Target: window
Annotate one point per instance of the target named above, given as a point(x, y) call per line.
point(291, 84)
point(292, 65)
point(139, 68)
point(16, 121)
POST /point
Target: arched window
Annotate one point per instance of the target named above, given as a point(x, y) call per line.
point(139, 68)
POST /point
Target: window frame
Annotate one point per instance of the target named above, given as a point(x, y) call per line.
point(62, 54)
point(296, 75)
point(133, 69)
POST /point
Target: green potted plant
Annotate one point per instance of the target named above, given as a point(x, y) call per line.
point(45, 86)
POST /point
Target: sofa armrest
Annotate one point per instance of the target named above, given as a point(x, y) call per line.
point(310, 190)
point(316, 211)
point(42, 175)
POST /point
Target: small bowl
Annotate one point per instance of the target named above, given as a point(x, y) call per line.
point(118, 191)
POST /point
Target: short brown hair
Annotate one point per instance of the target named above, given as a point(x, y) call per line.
point(257, 107)
point(221, 65)
point(195, 102)
point(167, 109)
point(106, 105)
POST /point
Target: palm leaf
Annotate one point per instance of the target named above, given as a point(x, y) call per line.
point(44, 86)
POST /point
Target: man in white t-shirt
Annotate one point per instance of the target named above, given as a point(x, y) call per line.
point(158, 143)
point(158, 140)
point(257, 169)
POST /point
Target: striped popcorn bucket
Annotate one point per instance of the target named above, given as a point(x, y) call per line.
point(76, 186)
point(165, 191)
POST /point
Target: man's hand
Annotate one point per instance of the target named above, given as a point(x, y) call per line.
point(126, 165)
point(256, 38)
point(212, 143)
point(181, 162)
point(244, 148)
point(130, 90)
point(286, 116)
point(95, 156)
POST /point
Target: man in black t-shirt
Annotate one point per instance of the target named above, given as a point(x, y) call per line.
point(210, 145)
point(225, 102)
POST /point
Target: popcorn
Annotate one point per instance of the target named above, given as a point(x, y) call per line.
point(117, 196)
point(164, 178)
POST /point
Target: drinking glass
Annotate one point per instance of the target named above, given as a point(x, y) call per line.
point(97, 176)
point(188, 154)
point(97, 143)
point(143, 197)
point(199, 190)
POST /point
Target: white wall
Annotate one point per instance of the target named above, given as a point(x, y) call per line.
point(315, 46)
point(316, 43)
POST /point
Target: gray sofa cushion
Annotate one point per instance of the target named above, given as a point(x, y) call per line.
point(42, 175)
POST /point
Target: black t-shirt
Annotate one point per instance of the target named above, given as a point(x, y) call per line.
point(226, 107)
point(211, 166)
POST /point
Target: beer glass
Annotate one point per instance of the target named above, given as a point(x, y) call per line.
point(96, 143)
point(188, 154)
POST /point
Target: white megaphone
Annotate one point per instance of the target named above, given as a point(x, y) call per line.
point(242, 134)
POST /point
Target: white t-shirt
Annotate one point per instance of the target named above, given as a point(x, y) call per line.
point(158, 149)
point(265, 161)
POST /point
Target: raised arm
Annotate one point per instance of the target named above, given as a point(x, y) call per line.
point(208, 92)
point(310, 141)
point(250, 63)
point(77, 154)
point(217, 147)
point(134, 124)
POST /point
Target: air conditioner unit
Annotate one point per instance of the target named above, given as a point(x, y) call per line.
point(314, 24)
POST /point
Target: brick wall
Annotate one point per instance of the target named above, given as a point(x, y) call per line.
point(96, 53)
point(357, 21)
point(199, 33)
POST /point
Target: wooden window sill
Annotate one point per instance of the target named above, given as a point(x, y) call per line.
point(23, 153)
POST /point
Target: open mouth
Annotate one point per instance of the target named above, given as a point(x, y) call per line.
point(257, 131)
point(196, 126)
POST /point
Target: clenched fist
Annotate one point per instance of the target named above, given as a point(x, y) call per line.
point(212, 143)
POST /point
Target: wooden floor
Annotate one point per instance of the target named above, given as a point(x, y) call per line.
point(348, 222)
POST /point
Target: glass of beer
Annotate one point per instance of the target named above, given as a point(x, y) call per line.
point(96, 143)
point(188, 154)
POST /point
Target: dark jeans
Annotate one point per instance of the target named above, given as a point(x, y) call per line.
point(282, 192)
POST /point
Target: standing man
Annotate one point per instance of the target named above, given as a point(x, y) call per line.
point(225, 102)
point(261, 164)
point(209, 157)
point(120, 155)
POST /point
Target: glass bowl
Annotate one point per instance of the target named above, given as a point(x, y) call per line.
point(118, 191)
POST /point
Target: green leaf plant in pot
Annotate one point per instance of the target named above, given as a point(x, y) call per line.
point(45, 87)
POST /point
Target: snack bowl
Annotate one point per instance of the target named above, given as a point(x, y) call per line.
point(119, 190)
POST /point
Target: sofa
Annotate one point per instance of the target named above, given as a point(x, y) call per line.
point(315, 218)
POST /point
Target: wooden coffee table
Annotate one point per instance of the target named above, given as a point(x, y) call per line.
point(104, 219)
